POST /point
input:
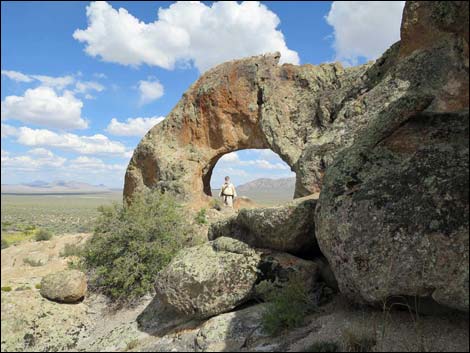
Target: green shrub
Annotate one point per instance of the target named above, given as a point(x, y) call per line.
point(131, 244)
point(29, 229)
point(323, 347)
point(32, 262)
point(359, 339)
point(6, 289)
point(216, 204)
point(201, 216)
point(42, 235)
point(288, 306)
point(5, 244)
point(38, 286)
point(71, 250)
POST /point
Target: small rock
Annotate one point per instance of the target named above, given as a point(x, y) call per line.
point(67, 286)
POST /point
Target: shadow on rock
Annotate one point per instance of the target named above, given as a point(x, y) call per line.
point(158, 320)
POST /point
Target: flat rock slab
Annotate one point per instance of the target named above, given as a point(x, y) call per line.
point(287, 228)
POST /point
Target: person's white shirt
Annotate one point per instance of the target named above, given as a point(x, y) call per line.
point(228, 189)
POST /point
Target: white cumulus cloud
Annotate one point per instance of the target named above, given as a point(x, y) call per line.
point(94, 144)
point(364, 28)
point(133, 126)
point(185, 31)
point(43, 106)
point(32, 163)
point(59, 82)
point(8, 130)
point(40, 152)
point(16, 76)
point(86, 86)
point(150, 91)
point(234, 160)
point(95, 165)
point(230, 157)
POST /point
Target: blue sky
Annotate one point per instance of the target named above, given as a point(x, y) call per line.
point(82, 82)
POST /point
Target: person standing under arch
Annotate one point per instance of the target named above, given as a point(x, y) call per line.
point(228, 192)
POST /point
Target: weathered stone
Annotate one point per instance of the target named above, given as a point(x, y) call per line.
point(209, 279)
point(248, 103)
point(306, 114)
point(67, 286)
point(230, 332)
point(326, 273)
point(392, 217)
point(281, 267)
point(287, 228)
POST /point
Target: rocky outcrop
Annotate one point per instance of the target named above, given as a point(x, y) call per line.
point(392, 217)
point(393, 214)
point(209, 279)
point(67, 286)
point(362, 135)
point(218, 276)
point(287, 228)
point(306, 114)
point(251, 103)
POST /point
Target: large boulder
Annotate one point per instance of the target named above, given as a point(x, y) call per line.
point(69, 286)
point(392, 217)
point(287, 228)
point(209, 279)
point(218, 276)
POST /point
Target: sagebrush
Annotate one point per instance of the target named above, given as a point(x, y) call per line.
point(132, 243)
point(4, 244)
point(71, 250)
point(288, 306)
point(323, 346)
point(201, 217)
point(43, 234)
point(359, 339)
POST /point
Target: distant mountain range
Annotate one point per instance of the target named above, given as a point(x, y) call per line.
point(263, 191)
point(56, 187)
point(287, 185)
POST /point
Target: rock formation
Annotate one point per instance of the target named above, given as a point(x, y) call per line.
point(209, 279)
point(284, 228)
point(385, 142)
point(303, 113)
point(392, 218)
point(218, 276)
point(306, 114)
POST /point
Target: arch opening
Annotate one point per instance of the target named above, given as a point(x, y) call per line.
point(258, 174)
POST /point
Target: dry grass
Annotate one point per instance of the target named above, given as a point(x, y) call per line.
point(359, 339)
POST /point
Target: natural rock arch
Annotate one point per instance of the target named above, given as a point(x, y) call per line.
point(251, 103)
point(306, 114)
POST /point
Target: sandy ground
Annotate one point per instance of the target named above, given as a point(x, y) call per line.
point(16, 273)
point(32, 323)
